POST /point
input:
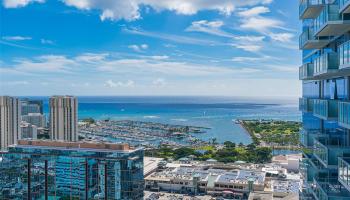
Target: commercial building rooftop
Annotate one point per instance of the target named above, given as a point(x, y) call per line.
point(223, 176)
point(73, 145)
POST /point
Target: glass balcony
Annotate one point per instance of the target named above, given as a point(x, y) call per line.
point(309, 169)
point(310, 8)
point(306, 71)
point(305, 104)
point(329, 189)
point(344, 172)
point(330, 22)
point(307, 40)
point(303, 138)
point(325, 109)
point(344, 114)
point(344, 6)
point(344, 55)
point(326, 64)
point(307, 137)
point(327, 151)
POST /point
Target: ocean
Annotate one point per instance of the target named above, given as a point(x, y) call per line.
point(216, 113)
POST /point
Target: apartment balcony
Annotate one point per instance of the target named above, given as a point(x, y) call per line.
point(306, 71)
point(307, 40)
point(309, 168)
point(330, 22)
point(344, 55)
point(307, 137)
point(305, 104)
point(344, 6)
point(326, 65)
point(325, 109)
point(306, 194)
point(327, 151)
point(329, 189)
point(310, 9)
point(344, 172)
point(344, 114)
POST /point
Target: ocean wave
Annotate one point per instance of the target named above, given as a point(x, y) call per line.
point(151, 117)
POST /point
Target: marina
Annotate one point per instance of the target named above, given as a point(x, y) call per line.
point(139, 133)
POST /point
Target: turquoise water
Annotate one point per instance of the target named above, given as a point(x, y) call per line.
point(216, 113)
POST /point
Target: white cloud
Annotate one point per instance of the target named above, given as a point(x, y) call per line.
point(45, 41)
point(45, 64)
point(282, 37)
point(19, 3)
point(16, 38)
point(173, 37)
point(159, 82)
point(249, 59)
point(260, 24)
point(138, 48)
point(130, 9)
point(250, 38)
point(13, 83)
point(140, 66)
point(248, 47)
point(256, 11)
point(159, 57)
point(252, 19)
point(170, 68)
point(112, 84)
point(91, 57)
point(210, 27)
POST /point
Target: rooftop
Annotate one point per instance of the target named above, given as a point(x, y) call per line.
point(223, 176)
point(73, 145)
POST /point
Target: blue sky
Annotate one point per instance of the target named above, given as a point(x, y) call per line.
point(149, 47)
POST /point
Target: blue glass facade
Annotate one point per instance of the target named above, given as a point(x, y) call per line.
point(325, 103)
point(43, 172)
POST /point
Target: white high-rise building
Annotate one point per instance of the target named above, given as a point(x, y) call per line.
point(36, 119)
point(64, 118)
point(10, 119)
point(29, 131)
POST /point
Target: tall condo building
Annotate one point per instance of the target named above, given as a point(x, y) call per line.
point(10, 118)
point(38, 169)
point(64, 118)
point(31, 106)
point(36, 119)
point(325, 102)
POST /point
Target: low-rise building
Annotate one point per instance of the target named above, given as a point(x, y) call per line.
point(185, 179)
point(289, 162)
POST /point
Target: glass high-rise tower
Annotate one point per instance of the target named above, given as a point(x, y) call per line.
point(325, 102)
point(36, 169)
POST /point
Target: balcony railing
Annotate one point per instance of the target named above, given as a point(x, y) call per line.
point(305, 104)
point(310, 8)
point(307, 137)
point(344, 172)
point(344, 55)
point(306, 71)
point(325, 109)
point(330, 22)
point(329, 189)
point(307, 40)
point(303, 138)
point(344, 6)
point(327, 151)
point(344, 114)
point(326, 63)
